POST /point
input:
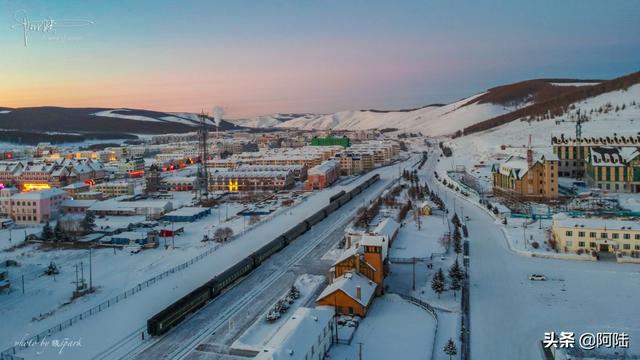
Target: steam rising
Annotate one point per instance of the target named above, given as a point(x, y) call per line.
point(218, 113)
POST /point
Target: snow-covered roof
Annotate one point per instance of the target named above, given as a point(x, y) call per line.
point(388, 227)
point(296, 337)
point(325, 167)
point(250, 174)
point(77, 203)
point(76, 185)
point(612, 156)
point(187, 211)
point(595, 223)
point(38, 195)
point(348, 284)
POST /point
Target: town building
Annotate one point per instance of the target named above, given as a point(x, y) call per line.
point(114, 188)
point(613, 168)
point(350, 294)
point(323, 175)
point(243, 181)
point(187, 214)
point(331, 141)
point(78, 207)
point(593, 234)
point(179, 183)
point(36, 207)
point(307, 334)
point(574, 153)
point(514, 177)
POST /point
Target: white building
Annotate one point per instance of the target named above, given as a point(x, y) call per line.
point(306, 335)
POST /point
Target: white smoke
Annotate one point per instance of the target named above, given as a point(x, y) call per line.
point(218, 113)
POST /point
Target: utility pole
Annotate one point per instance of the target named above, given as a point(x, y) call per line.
point(414, 273)
point(524, 234)
point(359, 351)
point(90, 271)
point(22, 284)
point(173, 236)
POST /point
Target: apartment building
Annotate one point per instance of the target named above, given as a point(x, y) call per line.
point(590, 234)
point(614, 168)
point(242, 181)
point(35, 207)
point(515, 177)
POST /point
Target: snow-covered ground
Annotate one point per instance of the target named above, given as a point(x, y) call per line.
point(131, 314)
point(510, 314)
point(259, 334)
point(430, 120)
point(422, 243)
point(392, 329)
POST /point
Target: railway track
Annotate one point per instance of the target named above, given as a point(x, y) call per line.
point(182, 352)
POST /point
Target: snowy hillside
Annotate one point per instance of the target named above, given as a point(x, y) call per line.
point(269, 121)
point(478, 151)
point(430, 120)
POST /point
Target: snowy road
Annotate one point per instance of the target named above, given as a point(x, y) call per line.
point(510, 314)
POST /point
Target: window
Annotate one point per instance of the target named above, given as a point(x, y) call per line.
point(592, 244)
point(604, 235)
point(581, 243)
point(615, 235)
point(592, 235)
point(626, 236)
point(569, 233)
point(626, 246)
point(637, 237)
point(637, 247)
point(569, 243)
point(580, 233)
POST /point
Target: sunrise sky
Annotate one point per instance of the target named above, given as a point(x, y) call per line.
point(260, 57)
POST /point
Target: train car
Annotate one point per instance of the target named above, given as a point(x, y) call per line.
point(296, 231)
point(334, 197)
point(357, 190)
point(230, 275)
point(176, 312)
point(316, 218)
point(373, 179)
point(266, 251)
point(344, 199)
point(331, 207)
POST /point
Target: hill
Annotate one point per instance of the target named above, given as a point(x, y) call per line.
point(77, 124)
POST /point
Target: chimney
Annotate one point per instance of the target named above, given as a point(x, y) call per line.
point(358, 292)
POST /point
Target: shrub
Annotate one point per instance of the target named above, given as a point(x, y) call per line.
point(535, 245)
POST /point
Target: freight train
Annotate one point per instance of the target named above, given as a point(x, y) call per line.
point(171, 316)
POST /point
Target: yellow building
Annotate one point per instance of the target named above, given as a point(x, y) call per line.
point(515, 177)
point(573, 234)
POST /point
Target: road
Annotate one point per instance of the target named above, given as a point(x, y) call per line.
point(510, 314)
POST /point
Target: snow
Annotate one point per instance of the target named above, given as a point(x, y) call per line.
point(110, 113)
point(117, 271)
point(574, 83)
point(580, 296)
point(422, 243)
point(430, 120)
point(5, 111)
point(261, 332)
point(392, 329)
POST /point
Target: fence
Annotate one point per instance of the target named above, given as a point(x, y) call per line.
point(9, 353)
point(431, 311)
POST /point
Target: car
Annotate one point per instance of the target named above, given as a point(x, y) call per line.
point(537, 277)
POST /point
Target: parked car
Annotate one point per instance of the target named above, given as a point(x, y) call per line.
point(537, 277)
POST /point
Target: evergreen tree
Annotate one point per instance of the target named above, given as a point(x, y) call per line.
point(47, 233)
point(457, 241)
point(58, 233)
point(450, 349)
point(437, 283)
point(455, 220)
point(88, 223)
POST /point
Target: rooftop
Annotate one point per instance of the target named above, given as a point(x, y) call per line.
point(348, 283)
